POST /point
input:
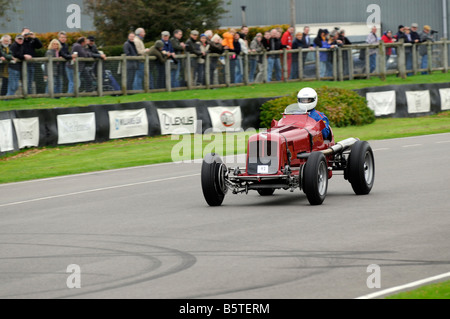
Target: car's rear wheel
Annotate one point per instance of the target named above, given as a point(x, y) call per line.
point(213, 178)
point(266, 191)
point(315, 178)
point(361, 168)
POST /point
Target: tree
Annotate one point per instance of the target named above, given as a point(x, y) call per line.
point(5, 6)
point(115, 18)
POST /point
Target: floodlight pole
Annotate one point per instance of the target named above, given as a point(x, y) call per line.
point(244, 18)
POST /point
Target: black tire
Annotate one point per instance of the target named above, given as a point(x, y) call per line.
point(315, 178)
point(213, 180)
point(361, 168)
point(266, 191)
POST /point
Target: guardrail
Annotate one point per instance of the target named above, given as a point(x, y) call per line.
point(115, 75)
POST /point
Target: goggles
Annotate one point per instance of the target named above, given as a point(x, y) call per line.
point(306, 100)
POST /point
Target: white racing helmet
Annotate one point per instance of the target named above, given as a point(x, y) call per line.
point(307, 99)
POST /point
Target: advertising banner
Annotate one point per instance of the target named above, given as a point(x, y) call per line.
point(418, 101)
point(6, 136)
point(445, 99)
point(226, 118)
point(76, 128)
point(382, 103)
point(178, 120)
point(27, 131)
point(128, 123)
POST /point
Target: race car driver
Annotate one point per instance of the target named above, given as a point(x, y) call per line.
point(307, 100)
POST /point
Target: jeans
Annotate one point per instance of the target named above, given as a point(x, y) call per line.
point(326, 69)
point(139, 78)
point(70, 85)
point(409, 63)
point(273, 62)
point(58, 79)
point(424, 63)
point(294, 67)
point(13, 81)
point(30, 74)
point(175, 75)
point(373, 62)
point(131, 71)
point(200, 74)
point(239, 75)
point(253, 65)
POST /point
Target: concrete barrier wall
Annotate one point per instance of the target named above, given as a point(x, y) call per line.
point(99, 123)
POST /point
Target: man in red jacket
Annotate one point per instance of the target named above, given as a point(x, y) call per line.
point(287, 40)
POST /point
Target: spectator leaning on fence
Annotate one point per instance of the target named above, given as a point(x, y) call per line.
point(407, 39)
point(286, 39)
point(400, 32)
point(53, 50)
point(15, 67)
point(414, 34)
point(69, 57)
point(297, 44)
point(178, 47)
point(273, 60)
point(142, 51)
point(201, 61)
point(256, 47)
point(30, 44)
point(372, 39)
point(235, 69)
point(94, 53)
point(425, 37)
point(323, 41)
point(85, 80)
point(193, 48)
point(215, 47)
point(307, 43)
point(5, 58)
point(129, 48)
point(388, 38)
point(159, 72)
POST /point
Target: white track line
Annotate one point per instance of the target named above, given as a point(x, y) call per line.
point(96, 190)
point(403, 287)
point(412, 145)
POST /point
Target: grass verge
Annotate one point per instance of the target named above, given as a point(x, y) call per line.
point(67, 160)
point(434, 291)
point(237, 92)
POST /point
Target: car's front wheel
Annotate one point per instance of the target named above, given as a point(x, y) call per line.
point(213, 178)
point(315, 178)
point(361, 168)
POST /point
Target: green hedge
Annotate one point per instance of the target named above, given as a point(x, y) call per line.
point(342, 107)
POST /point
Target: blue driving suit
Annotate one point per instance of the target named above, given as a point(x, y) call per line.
point(319, 116)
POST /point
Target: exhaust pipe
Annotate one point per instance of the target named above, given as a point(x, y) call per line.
point(341, 146)
point(338, 148)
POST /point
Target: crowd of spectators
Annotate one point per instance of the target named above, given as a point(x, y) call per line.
point(405, 34)
point(24, 49)
point(198, 45)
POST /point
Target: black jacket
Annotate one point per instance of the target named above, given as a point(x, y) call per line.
point(306, 45)
point(129, 48)
point(64, 52)
point(193, 47)
point(275, 44)
point(30, 46)
point(17, 51)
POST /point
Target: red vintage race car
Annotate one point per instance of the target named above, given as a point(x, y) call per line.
point(291, 155)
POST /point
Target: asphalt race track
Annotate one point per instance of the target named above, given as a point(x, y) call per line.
point(147, 232)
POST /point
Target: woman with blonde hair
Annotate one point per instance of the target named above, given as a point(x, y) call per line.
point(53, 50)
